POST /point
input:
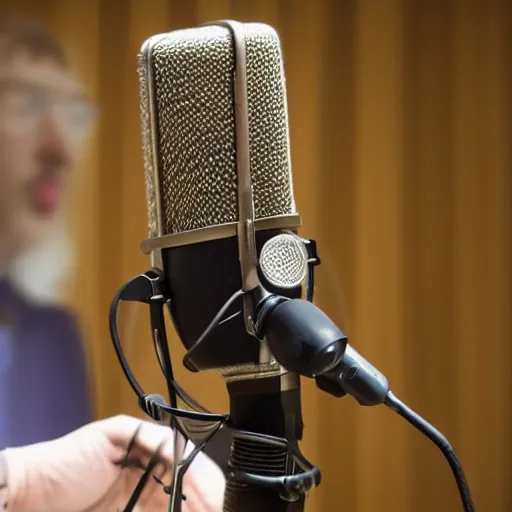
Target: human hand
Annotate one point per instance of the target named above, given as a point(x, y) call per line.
point(81, 472)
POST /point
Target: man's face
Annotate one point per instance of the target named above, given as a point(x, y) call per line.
point(42, 122)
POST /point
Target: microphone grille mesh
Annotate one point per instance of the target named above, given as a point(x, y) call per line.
point(147, 148)
point(284, 260)
point(192, 92)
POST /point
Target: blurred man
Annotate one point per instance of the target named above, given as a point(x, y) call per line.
point(44, 390)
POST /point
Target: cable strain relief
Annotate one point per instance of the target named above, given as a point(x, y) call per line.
point(264, 309)
point(151, 404)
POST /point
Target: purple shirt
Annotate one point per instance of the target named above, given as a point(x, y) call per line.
point(44, 388)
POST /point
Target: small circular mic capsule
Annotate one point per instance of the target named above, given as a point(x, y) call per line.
point(284, 261)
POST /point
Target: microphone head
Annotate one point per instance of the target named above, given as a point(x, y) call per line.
point(193, 122)
point(189, 134)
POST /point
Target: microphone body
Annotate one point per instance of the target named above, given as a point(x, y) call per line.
point(193, 142)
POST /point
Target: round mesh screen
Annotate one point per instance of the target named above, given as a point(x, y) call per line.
point(284, 261)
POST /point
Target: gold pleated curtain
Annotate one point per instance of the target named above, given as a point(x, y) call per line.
point(400, 117)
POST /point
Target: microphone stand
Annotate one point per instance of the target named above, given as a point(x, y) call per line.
point(266, 423)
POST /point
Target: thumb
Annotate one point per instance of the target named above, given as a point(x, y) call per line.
point(207, 481)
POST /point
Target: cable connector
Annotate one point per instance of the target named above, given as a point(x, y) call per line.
point(153, 405)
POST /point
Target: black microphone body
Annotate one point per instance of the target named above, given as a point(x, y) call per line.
point(201, 278)
point(270, 407)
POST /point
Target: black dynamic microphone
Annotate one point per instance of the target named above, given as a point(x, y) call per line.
point(302, 338)
point(223, 223)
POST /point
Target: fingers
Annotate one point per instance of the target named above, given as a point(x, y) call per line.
point(195, 497)
point(146, 486)
point(132, 434)
point(204, 482)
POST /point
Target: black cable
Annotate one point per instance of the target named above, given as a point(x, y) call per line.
point(159, 336)
point(441, 442)
point(310, 285)
point(144, 397)
point(112, 321)
point(154, 461)
point(153, 404)
point(216, 320)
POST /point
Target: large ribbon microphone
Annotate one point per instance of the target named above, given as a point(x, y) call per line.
point(230, 267)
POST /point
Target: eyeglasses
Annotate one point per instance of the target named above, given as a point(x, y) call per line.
point(23, 106)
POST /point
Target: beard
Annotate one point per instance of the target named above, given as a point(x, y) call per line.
point(41, 272)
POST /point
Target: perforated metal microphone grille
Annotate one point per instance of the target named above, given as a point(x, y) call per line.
point(284, 260)
point(187, 108)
